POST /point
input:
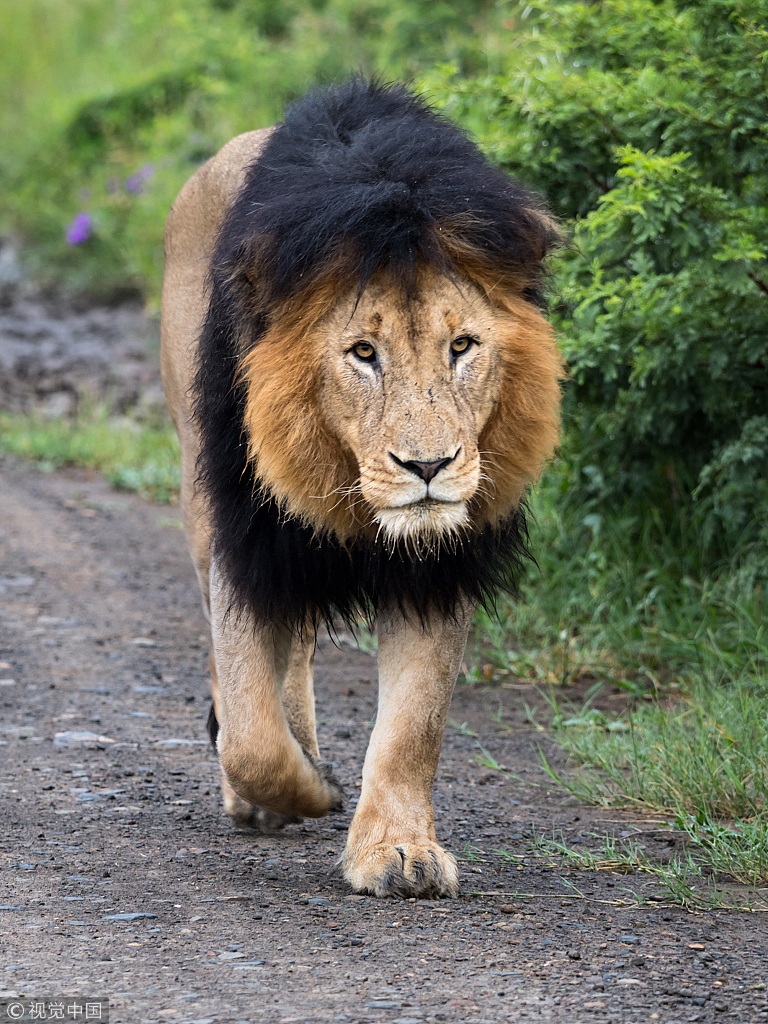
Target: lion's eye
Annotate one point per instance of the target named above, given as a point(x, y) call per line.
point(364, 351)
point(461, 345)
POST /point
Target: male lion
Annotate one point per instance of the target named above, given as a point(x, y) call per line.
point(364, 387)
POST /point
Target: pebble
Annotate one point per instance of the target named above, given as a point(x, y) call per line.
point(509, 908)
point(176, 741)
point(574, 954)
point(318, 901)
point(77, 739)
point(382, 1004)
point(128, 917)
point(631, 940)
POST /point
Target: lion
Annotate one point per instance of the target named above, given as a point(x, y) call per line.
point(364, 387)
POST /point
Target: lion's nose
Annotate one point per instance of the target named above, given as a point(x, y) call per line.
point(426, 471)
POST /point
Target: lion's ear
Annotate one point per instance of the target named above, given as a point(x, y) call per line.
point(544, 233)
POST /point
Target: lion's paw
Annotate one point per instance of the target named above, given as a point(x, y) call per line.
point(403, 869)
point(332, 784)
point(248, 815)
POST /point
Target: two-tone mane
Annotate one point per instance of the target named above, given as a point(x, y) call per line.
point(358, 181)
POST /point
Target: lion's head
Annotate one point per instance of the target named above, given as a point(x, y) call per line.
point(377, 385)
point(415, 413)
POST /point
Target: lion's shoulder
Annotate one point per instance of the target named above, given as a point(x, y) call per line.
point(200, 207)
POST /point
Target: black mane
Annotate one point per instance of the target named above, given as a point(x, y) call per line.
point(369, 171)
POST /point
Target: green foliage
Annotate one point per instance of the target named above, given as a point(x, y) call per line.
point(685, 879)
point(132, 456)
point(704, 757)
point(111, 107)
point(626, 596)
point(646, 124)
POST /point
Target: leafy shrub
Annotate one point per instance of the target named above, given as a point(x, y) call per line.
point(644, 122)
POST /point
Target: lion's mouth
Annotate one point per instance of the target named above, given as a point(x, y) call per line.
point(423, 526)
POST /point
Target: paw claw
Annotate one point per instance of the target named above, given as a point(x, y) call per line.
point(406, 869)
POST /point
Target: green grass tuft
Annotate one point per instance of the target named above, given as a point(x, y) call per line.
point(687, 879)
point(132, 456)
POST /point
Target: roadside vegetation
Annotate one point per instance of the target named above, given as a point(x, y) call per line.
point(133, 456)
point(644, 124)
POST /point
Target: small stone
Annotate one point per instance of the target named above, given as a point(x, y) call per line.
point(342, 734)
point(574, 954)
point(177, 741)
point(356, 942)
point(318, 901)
point(80, 739)
point(128, 917)
point(143, 641)
point(696, 945)
point(631, 940)
point(509, 908)
point(382, 1004)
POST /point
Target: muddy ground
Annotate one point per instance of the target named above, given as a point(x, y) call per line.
point(101, 632)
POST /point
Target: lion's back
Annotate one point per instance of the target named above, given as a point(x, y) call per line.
point(190, 236)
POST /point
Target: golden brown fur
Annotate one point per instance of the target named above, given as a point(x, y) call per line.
point(309, 456)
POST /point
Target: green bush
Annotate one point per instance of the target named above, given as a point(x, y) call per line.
point(645, 123)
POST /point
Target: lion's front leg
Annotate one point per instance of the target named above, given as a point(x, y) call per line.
point(392, 849)
point(264, 765)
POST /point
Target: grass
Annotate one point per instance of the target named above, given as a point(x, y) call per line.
point(635, 606)
point(687, 879)
point(705, 754)
point(132, 456)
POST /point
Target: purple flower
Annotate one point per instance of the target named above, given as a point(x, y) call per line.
point(80, 230)
point(135, 183)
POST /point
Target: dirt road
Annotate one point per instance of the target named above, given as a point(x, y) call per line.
point(101, 632)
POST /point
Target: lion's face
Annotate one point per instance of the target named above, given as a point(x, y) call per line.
point(409, 386)
point(414, 417)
